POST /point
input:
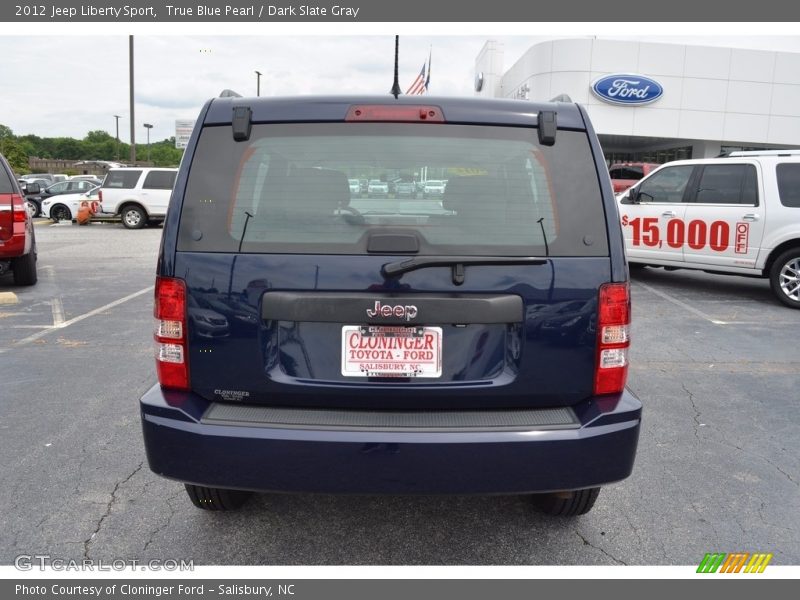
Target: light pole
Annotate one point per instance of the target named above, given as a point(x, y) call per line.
point(130, 73)
point(258, 83)
point(148, 126)
point(117, 117)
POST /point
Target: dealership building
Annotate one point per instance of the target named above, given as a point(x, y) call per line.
point(656, 102)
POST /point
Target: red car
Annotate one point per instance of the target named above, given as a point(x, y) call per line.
point(17, 241)
point(624, 175)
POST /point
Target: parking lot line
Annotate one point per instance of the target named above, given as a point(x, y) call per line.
point(683, 305)
point(91, 313)
point(58, 311)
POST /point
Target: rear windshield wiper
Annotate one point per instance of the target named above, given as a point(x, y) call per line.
point(457, 262)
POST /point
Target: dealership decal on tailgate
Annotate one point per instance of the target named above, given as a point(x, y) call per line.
point(391, 351)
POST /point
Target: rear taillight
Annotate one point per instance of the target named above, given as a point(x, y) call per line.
point(12, 216)
point(6, 220)
point(613, 338)
point(100, 196)
point(170, 334)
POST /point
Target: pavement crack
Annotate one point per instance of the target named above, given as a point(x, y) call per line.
point(168, 522)
point(766, 460)
point(634, 529)
point(588, 543)
point(697, 413)
point(81, 465)
point(731, 444)
point(107, 512)
point(784, 473)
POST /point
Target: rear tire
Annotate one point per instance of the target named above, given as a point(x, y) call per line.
point(784, 277)
point(33, 208)
point(567, 504)
point(24, 268)
point(133, 217)
point(60, 212)
point(216, 498)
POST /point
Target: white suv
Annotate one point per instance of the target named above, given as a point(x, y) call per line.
point(738, 214)
point(139, 195)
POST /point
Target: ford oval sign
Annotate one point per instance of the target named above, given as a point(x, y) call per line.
point(627, 89)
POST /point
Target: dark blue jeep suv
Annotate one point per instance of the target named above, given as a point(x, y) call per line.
point(310, 340)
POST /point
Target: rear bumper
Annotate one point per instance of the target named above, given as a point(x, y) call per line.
point(181, 444)
point(18, 245)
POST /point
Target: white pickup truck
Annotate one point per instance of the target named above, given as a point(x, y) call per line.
point(138, 195)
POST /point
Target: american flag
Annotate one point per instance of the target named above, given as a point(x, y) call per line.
point(419, 86)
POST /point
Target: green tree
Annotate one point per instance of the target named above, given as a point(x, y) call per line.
point(164, 153)
point(30, 143)
point(14, 152)
point(5, 132)
point(99, 145)
point(15, 155)
point(96, 145)
point(6, 135)
point(67, 148)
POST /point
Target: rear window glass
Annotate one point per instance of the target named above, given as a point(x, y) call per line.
point(789, 184)
point(727, 184)
point(635, 173)
point(286, 190)
point(159, 180)
point(121, 179)
point(6, 186)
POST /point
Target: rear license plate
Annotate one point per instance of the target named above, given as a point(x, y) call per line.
point(391, 351)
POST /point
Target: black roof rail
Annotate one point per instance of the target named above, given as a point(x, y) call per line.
point(784, 152)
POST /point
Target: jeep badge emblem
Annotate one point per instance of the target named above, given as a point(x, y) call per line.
point(400, 311)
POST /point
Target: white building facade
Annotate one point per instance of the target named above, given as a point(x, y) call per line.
point(713, 99)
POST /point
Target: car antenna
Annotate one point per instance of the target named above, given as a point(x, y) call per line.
point(544, 237)
point(244, 230)
point(396, 85)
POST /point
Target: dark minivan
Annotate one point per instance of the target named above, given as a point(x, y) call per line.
point(310, 341)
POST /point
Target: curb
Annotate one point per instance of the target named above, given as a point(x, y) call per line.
point(7, 298)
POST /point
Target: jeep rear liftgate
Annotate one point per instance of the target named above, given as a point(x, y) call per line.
point(486, 343)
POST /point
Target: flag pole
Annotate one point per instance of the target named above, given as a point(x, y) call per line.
point(428, 80)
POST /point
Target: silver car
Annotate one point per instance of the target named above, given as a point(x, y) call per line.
point(378, 189)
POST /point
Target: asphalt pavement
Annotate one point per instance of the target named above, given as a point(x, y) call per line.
point(714, 360)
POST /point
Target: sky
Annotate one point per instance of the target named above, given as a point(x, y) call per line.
point(72, 80)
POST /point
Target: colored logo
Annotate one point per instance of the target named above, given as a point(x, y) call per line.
point(627, 89)
point(738, 562)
